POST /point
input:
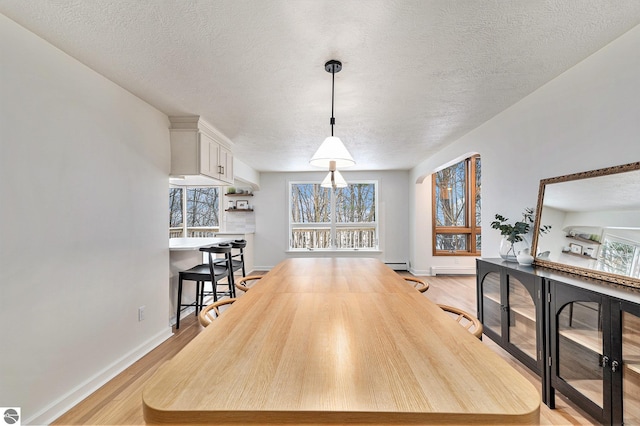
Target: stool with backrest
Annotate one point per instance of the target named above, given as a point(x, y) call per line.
point(211, 272)
point(237, 258)
point(220, 264)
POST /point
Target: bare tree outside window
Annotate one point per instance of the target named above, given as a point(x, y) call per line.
point(457, 208)
point(175, 207)
point(202, 207)
point(314, 226)
point(619, 256)
point(199, 206)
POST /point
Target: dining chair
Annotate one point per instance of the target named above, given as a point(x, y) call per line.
point(206, 315)
point(417, 283)
point(465, 319)
point(212, 272)
point(245, 283)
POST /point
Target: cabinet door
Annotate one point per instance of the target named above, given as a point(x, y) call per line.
point(225, 162)
point(208, 156)
point(525, 318)
point(578, 347)
point(625, 362)
point(490, 305)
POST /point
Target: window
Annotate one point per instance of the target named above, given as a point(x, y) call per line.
point(199, 206)
point(456, 209)
point(619, 255)
point(324, 219)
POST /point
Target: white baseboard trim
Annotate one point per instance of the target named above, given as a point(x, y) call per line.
point(444, 270)
point(420, 272)
point(63, 404)
point(261, 268)
point(453, 270)
point(397, 266)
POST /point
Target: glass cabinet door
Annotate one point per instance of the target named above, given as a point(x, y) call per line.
point(522, 318)
point(580, 348)
point(491, 306)
point(630, 368)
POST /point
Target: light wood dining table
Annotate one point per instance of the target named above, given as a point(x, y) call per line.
point(337, 341)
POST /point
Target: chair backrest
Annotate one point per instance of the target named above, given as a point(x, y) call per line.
point(465, 319)
point(237, 259)
point(245, 283)
point(239, 244)
point(212, 311)
point(222, 248)
point(218, 248)
point(417, 283)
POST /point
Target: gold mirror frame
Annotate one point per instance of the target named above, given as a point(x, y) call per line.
point(604, 276)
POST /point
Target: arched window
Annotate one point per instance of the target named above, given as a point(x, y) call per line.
point(456, 209)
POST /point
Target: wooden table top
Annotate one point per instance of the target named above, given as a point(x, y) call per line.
point(337, 341)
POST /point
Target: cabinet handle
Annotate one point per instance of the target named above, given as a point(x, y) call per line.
point(614, 366)
point(605, 361)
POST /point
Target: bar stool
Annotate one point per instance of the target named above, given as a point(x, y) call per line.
point(219, 264)
point(212, 272)
point(237, 259)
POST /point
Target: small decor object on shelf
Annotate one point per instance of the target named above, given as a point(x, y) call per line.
point(516, 233)
point(231, 190)
point(242, 205)
point(575, 248)
point(524, 257)
point(231, 204)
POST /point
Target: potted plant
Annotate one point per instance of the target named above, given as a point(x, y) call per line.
point(515, 233)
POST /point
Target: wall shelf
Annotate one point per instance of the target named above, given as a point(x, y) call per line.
point(238, 210)
point(584, 240)
point(584, 256)
point(239, 195)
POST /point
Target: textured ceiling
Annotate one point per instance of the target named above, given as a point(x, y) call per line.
point(416, 75)
point(612, 192)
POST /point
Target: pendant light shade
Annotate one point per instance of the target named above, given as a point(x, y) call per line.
point(332, 149)
point(334, 180)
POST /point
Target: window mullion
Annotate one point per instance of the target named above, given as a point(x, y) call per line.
point(184, 212)
point(332, 217)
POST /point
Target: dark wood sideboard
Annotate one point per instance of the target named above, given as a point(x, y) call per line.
point(580, 335)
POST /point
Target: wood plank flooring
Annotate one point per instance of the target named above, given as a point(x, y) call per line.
point(119, 402)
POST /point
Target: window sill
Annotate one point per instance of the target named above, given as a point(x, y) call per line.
point(333, 251)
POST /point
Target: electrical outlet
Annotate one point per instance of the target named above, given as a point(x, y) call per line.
point(141, 313)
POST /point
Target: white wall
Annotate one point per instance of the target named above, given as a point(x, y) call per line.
point(272, 226)
point(585, 119)
point(83, 187)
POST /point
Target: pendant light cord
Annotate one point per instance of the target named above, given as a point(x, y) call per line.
point(333, 78)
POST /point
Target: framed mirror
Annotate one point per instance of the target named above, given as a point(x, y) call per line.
point(595, 224)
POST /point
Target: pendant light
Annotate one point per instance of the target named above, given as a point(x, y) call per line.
point(332, 149)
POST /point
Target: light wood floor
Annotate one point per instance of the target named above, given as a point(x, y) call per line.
point(119, 401)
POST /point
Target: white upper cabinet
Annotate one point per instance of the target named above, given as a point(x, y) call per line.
point(199, 150)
